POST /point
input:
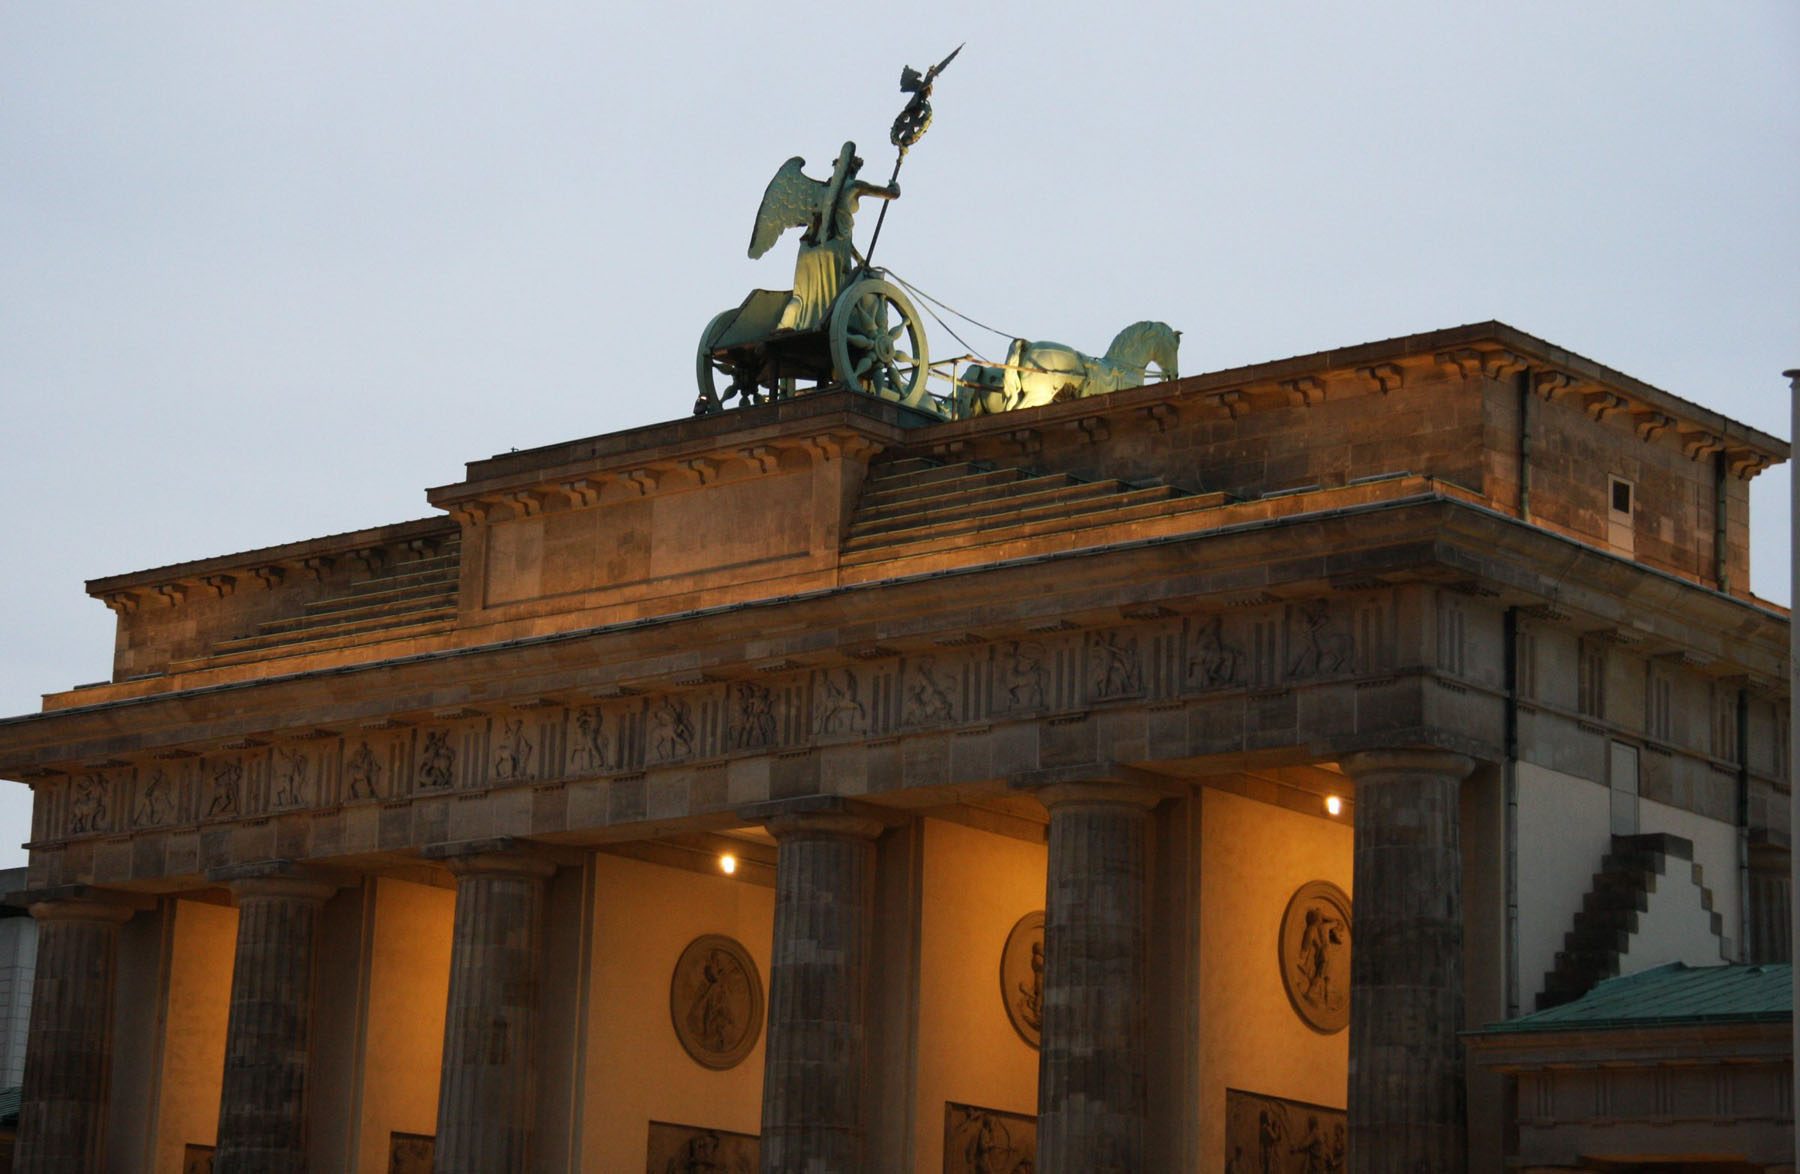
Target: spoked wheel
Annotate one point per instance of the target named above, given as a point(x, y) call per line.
point(877, 344)
point(718, 381)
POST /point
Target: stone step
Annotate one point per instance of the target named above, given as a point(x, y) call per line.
point(345, 610)
point(407, 572)
point(967, 487)
point(957, 479)
point(372, 589)
point(322, 631)
point(903, 467)
point(1019, 495)
point(1107, 511)
point(920, 471)
point(276, 652)
point(1007, 514)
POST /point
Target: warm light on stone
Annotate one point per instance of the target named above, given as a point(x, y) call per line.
point(1333, 805)
point(728, 864)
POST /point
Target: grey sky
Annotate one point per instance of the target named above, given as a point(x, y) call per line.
point(271, 269)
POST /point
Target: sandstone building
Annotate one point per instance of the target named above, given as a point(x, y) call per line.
point(390, 841)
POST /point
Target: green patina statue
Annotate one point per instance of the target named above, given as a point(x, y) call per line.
point(827, 211)
point(846, 323)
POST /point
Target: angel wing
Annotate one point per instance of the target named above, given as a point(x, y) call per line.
point(790, 201)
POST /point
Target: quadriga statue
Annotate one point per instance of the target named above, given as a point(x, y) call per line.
point(1049, 372)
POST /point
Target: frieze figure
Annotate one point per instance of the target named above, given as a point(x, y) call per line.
point(753, 716)
point(926, 699)
point(671, 729)
point(590, 751)
point(1322, 650)
point(363, 773)
point(1211, 661)
point(1023, 679)
point(840, 708)
point(514, 758)
point(290, 777)
point(226, 783)
point(1117, 668)
point(155, 805)
point(88, 811)
point(437, 761)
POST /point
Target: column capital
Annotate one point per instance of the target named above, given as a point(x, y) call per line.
point(80, 903)
point(1097, 791)
point(816, 815)
point(81, 911)
point(496, 856)
point(1370, 764)
point(276, 879)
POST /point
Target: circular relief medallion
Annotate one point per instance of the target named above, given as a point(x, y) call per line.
point(716, 1001)
point(1315, 955)
point(1022, 977)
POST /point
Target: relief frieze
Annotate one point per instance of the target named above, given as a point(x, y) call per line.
point(512, 754)
point(224, 788)
point(293, 775)
point(1115, 666)
point(1318, 643)
point(437, 761)
point(838, 706)
point(927, 692)
point(1021, 676)
point(90, 807)
point(590, 750)
point(1053, 670)
point(670, 736)
point(752, 721)
point(1213, 662)
point(363, 774)
point(156, 799)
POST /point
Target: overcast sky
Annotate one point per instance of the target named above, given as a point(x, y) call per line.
point(271, 269)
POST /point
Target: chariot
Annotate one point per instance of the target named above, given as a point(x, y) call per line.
point(848, 324)
point(870, 339)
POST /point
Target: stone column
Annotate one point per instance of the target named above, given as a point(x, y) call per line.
point(68, 1056)
point(268, 1037)
point(817, 1054)
point(486, 1107)
point(1093, 1062)
point(1406, 965)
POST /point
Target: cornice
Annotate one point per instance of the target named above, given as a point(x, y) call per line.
point(1431, 539)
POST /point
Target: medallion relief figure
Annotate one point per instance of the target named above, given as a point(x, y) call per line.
point(362, 774)
point(227, 783)
point(156, 804)
point(926, 696)
point(840, 708)
point(1323, 649)
point(671, 730)
point(1212, 662)
point(752, 716)
point(437, 761)
point(513, 759)
point(716, 1001)
point(589, 752)
point(87, 811)
point(1022, 977)
point(1315, 955)
point(1021, 680)
point(1115, 666)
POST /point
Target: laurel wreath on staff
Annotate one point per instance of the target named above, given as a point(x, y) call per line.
point(909, 126)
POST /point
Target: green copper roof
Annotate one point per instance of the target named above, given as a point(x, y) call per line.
point(1676, 993)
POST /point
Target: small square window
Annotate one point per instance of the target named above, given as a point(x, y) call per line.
point(1621, 496)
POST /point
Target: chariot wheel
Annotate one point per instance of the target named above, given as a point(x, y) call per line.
point(718, 380)
point(877, 344)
